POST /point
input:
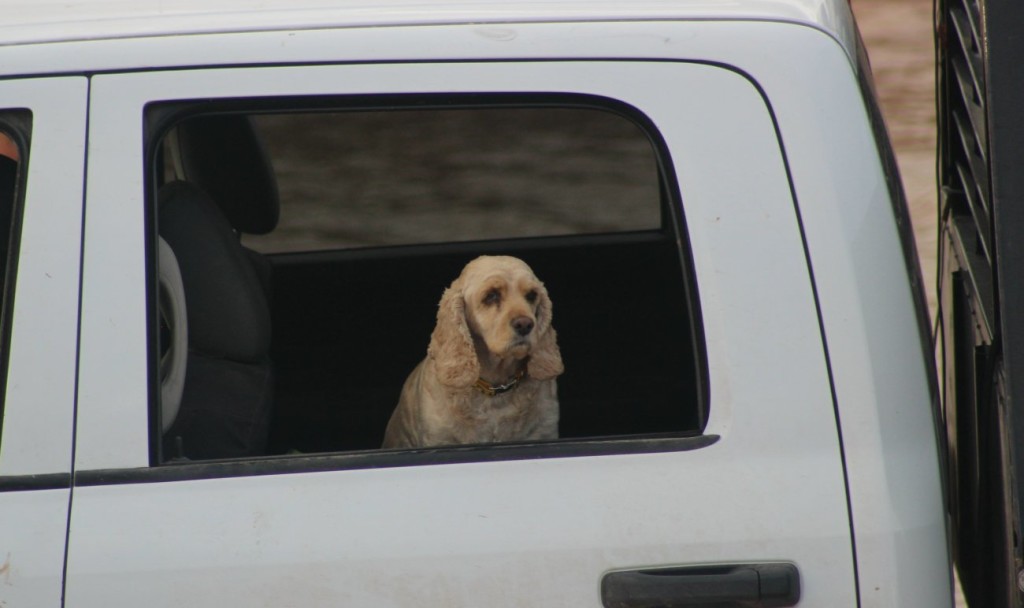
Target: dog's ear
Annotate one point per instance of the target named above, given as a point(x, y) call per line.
point(451, 346)
point(545, 360)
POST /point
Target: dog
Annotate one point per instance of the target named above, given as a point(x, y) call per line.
point(490, 370)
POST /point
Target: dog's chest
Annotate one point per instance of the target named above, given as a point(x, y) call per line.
point(507, 417)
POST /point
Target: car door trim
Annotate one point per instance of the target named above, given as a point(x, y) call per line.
point(372, 459)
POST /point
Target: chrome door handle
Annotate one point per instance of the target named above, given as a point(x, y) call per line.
point(766, 585)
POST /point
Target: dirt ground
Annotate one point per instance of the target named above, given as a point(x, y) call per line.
point(898, 35)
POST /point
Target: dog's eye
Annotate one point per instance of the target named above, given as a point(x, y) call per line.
point(531, 296)
point(492, 297)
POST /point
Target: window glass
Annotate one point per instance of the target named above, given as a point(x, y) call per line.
point(399, 177)
point(15, 126)
point(303, 254)
point(10, 169)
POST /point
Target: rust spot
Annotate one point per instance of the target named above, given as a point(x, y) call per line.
point(5, 570)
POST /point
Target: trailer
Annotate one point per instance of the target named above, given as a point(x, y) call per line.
point(981, 295)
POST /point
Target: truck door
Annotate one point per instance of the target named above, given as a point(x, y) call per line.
point(42, 137)
point(981, 202)
point(753, 491)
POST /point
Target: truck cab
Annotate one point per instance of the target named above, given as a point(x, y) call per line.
point(229, 227)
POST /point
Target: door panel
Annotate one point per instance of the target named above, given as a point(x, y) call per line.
point(485, 528)
point(38, 408)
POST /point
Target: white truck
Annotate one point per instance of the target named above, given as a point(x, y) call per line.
point(227, 226)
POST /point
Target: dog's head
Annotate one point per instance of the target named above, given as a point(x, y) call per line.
point(497, 303)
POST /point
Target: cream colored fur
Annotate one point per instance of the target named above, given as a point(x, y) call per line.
point(476, 337)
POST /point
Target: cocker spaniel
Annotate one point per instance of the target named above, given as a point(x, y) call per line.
point(489, 374)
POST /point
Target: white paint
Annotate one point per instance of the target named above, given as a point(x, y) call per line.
point(34, 21)
point(39, 401)
point(529, 533)
point(515, 533)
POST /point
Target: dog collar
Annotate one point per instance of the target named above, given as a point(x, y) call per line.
point(490, 390)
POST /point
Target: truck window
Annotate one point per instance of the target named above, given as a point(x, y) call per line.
point(313, 245)
point(14, 130)
point(10, 161)
point(413, 177)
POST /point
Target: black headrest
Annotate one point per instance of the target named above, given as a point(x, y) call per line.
point(224, 156)
point(228, 314)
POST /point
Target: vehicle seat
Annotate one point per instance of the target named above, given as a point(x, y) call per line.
point(224, 155)
point(173, 335)
point(228, 388)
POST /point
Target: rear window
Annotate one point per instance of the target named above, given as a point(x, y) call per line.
point(375, 178)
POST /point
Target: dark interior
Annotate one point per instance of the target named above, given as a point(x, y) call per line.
point(350, 326)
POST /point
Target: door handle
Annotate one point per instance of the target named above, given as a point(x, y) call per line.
point(767, 585)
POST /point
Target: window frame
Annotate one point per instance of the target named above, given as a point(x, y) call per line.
point(160, 118)
point(16, 124)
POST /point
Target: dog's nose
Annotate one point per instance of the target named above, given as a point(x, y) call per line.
point(522, 325)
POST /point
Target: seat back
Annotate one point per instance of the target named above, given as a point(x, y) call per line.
point(224, 155)
point(227, 394)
